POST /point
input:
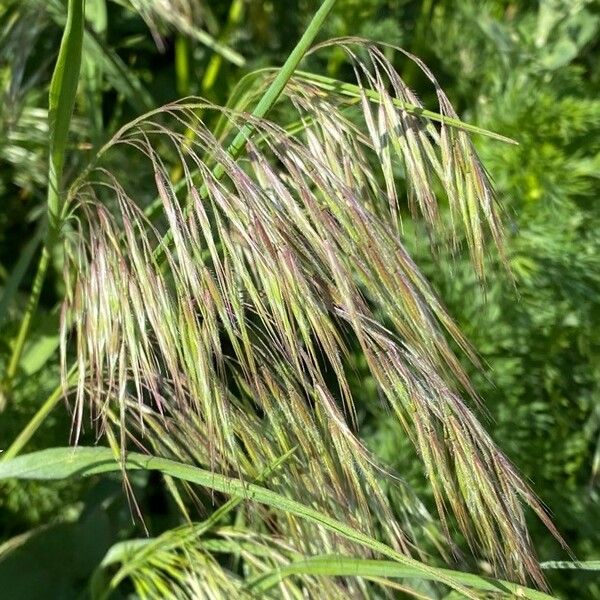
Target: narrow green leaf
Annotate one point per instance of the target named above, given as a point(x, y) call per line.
point(343, 566)
point(353, 91)
point(63, 89)
point(269, 98)
point(126, 552)
point(61, 463)
point(106, 60)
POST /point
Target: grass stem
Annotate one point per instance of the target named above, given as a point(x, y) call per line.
point(21, 338)
point(63, 89)
point(34, 424)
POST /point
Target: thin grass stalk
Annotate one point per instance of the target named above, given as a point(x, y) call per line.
point(63, 89)
point(13, 282)
point(267, 101)
point(40, 416)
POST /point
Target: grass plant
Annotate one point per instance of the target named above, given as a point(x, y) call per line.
point(208, 321)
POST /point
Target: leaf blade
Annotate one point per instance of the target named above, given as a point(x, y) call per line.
point(336, 566)
point(61, 463)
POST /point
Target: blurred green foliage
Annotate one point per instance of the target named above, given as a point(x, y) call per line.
point(527, 70)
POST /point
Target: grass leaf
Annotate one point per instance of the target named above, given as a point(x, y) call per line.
point(63, 89)
point(343, 566)
point(61, 463)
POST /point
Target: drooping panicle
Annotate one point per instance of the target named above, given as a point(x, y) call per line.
point(215, 330)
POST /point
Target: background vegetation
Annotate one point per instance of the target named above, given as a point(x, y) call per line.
point(527, 70)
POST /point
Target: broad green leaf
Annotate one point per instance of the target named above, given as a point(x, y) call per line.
point(38, 352)
point(42, 343)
